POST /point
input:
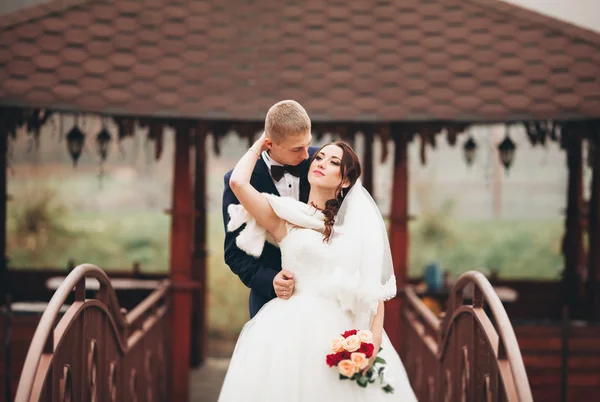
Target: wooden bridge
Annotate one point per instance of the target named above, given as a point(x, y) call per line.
point(471, 354)
point(93, 351)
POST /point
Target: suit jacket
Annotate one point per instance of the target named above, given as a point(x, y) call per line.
point(258, 273)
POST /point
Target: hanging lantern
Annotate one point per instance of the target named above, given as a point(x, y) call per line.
point(507, 150)
point(75, 140)
point(469, 149)
point(103, 139)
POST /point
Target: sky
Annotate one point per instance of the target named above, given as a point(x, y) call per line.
point(585, 13)
point(7, 6)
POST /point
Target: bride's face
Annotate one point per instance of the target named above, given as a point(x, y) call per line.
point(325, 171)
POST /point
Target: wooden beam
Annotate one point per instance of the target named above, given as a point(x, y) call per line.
point(573, 241)
point(180, 265)
point(593, 269)
point(497, 134)
point(367, 165)
point(199, 268)
point(3, 200)
point(399, 236)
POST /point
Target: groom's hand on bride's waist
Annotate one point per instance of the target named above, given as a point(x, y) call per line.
point(283, 283)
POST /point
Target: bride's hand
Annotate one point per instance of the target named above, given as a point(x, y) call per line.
point(377, 345)
point(260, 145)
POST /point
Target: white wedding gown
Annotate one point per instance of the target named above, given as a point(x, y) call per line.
point(280, 353)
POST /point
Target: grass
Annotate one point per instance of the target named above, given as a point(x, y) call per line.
point(515, 249)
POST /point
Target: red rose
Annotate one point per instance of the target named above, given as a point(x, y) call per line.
point(343, 355)
point(349, 332)
point(335, 358)
point(367, 349)
point(332, 360)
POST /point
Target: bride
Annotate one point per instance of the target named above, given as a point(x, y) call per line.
point(337, 248)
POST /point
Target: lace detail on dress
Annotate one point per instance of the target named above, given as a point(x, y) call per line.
point(356, 297)
point(385, 292)
point(388, 289)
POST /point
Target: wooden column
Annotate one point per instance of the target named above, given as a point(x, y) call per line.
point(593, 269)
point(572, 241)
point(398, 233)
point(180, 265)
point(3, 200)
point(367, 165)
point(497, 173)
point(199, 273)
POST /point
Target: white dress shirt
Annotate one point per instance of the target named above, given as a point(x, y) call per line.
point(289, 185)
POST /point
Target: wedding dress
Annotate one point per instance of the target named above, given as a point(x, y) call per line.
point(280, 353)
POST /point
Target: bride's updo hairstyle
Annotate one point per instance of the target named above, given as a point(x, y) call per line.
point(350, 170)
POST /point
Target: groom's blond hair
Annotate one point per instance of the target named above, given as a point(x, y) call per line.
point(286, 118)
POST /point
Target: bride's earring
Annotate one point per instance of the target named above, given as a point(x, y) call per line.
point(342, 193)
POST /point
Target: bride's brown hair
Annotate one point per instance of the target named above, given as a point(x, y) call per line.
point(350, 170)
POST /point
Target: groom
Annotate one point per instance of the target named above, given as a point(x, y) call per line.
point(282, 170)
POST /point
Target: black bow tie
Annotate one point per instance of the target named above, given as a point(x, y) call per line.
point(278, 171)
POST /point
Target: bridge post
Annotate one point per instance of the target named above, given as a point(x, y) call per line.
point(199, 273)
point(181, 264)
point(398, 230)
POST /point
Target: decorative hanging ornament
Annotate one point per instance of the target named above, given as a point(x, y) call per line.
point(103, 140)
point(75, 141)
point(469, 149)
point(506, 150)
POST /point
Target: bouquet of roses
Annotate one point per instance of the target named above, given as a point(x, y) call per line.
point(351, 353)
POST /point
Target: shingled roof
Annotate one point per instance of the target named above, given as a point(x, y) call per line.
point(359, 60)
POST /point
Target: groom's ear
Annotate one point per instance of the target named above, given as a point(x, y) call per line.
point(268, 143)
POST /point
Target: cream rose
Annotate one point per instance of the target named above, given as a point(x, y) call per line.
point(351, 343)
point(360, 360)
point(337, 345)
point(347, 368)
point(365, 336)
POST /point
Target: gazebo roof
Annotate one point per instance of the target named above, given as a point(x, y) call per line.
point(396, 60)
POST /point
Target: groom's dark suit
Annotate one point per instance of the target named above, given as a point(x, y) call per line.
point(258, 273)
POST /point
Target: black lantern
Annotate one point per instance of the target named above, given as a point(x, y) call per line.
point(103, 139)
point(469, 148)
point(507, 151)
point(75, 140)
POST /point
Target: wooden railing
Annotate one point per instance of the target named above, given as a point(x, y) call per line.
point(471, 354)
point(562, 359)
point(96, 352)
